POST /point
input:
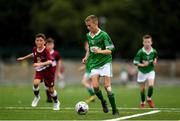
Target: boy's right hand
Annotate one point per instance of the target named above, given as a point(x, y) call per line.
point(84, 60)
point(20, 59)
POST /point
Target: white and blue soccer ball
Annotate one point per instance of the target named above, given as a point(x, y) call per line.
point(81, 107)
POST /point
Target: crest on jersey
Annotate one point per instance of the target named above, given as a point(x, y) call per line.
point(93, 42)
point(38, 59)
point(148, 57)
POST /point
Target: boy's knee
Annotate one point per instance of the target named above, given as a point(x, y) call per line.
point(109, 90)
point(50, 89)
point(142, 89)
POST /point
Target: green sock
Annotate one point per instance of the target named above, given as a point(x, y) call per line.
point(143, 96)
point(112, 101)
point(91, 91)
point(150, 91)
point(100, 96)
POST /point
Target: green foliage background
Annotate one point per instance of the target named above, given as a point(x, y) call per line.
point(125, 20)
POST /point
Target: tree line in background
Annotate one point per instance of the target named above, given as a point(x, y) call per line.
point(125, 21)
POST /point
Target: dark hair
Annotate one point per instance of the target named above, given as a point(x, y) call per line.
point(41, 35)
point(50, 40)
point(147, 36)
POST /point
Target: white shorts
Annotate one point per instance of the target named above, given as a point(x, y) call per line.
point(105, 70)
point(147, 76)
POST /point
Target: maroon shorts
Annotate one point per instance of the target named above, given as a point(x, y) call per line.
point(47, 76)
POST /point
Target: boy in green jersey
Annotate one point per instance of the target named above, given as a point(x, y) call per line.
point(145, 60)
point(99, 57)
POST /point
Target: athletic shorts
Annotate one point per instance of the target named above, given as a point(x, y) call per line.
point(141, 78)
point(47, 76)
point(105, 70)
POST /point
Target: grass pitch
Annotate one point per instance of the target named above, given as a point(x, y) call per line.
point(15, 104)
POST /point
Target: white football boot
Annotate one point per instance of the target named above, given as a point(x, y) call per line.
point(35, 101)
point(56, 106)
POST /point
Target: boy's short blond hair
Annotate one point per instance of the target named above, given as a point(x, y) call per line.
point(94, 18)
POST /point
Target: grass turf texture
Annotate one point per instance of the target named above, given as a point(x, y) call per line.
point(15, 103)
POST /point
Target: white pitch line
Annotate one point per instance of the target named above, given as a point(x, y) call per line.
point(135, 115)
point(149, 108)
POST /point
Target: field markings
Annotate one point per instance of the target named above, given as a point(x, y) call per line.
point(133, 116)
point(151, 111)
point(70, 108)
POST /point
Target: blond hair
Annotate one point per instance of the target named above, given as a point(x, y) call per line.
point(92, 18)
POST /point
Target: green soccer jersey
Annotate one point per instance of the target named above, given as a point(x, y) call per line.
point(101, 41)
point(141, 56)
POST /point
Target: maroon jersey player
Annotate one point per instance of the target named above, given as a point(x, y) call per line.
point(57, 66)
point(44, 70)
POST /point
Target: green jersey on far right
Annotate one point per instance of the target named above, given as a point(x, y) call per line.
point(142, 56)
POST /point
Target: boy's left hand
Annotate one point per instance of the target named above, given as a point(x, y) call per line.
point(155, 61)
point(36, 64)
point(96, 50)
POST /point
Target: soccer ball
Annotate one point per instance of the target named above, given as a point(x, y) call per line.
point(81, 108)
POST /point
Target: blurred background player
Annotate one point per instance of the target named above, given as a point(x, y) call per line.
point(86, 80)
point(99, 57)
point(57, 66)
point(44, 70)
point(145, 60)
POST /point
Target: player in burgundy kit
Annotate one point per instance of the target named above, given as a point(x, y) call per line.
point(44, 70)
point(57, 66)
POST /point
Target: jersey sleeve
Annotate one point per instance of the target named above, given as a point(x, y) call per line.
point(58, 56)
point(108, 43)
point(137, 58)
point(155, 54)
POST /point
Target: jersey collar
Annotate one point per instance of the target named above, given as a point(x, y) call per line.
point(41, 49)
point(146, 51)
point(95, 34)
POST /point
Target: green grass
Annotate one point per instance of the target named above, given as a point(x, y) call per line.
point(15, 103)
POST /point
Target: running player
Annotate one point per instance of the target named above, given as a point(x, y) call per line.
point(44, 71)
point(145, 60)
point(57, 66)
point(99, 57)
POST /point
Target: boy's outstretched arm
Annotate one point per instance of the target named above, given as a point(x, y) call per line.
point(25, 57)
